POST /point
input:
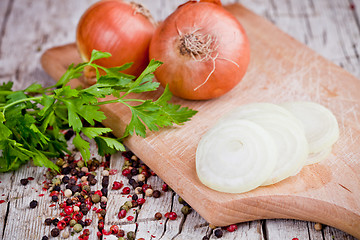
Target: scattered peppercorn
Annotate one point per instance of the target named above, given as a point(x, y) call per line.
point(205, 238)
point(33, 204)
point(95, 198)
point(24, 181)
point(156, 194)
point(54, 198)
point(121, 233)
point(55, 232)
point(77, 227)
point(158, 216)
point(48, 222)
point(45, 238)
point(218, 233)
point(130, 235)
point(186, 210)
point(172, 215)
point(232, 228)
point(318, 226)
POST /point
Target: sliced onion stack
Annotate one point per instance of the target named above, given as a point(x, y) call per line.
point(263, 143)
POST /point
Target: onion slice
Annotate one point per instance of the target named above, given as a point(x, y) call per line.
point(318, 157)
point(320, 124)
point(287, 132)
point(235, 156)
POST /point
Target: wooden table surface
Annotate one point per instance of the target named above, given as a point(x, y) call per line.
point(28, 28)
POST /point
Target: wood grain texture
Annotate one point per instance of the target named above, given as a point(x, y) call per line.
point(291, 71)
point(29, 27)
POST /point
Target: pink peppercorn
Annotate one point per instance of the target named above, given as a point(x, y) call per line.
point(114, 229)
point(140, 201)
point(165, 187)
point(117, 185)
point(126, 172)
point(68, 210)
point(99, 234)
point(172, 215)
point(232, 228)
point(126, 190)
point(122, 214)
point(61, 225)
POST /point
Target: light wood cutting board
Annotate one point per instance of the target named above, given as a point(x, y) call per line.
point(281, 69)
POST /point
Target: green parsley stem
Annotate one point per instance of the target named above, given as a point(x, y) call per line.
point(120, 100)
point(20, 101)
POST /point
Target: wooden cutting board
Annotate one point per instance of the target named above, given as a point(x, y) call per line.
point(281, 69)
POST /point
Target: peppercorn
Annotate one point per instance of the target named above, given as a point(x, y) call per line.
point(77, 228)
point(24, 181)
point(80, 164)
point(141, 177)
point(55, 221)
point(45, 238)
point(81, 222)
point(103, 212)
point(93, 182)
point(84, 169)
point(105, 173)
point(66, 170)
point(60, 162)
point(54, 198)
point(172, 215)
point(218, 233)
point(86, 188)
point(75, 189)
point(318, 226)
point(158, 216)
point(181, 201)
point(134, 197)
point(74, 172)
point(186, 210)
point(72, 222)
point(95, 198)
point(72, 181)
point(87, 222)
point(138, 190)
point(141, 183)
point(105, 181)
point(48, 222)
point(128, 204)
point(156, 194)
point(134, 172)
point(121, 233)
point(231, 228)
point(130, 235)
point(81, 174)
point(104, 191)
point(124, 207)
point(205, 238)
point(103, 205)
point(55, 232)
point(56, 188)
point(132, 181)
point(65, 234)
point(33, 204)
point(122, 213)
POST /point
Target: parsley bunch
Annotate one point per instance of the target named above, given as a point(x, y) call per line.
point(32, 120)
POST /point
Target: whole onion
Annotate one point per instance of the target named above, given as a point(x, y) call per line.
point(204, 49)
point(121, 28)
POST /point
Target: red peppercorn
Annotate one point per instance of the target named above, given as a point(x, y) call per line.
point(88, 222)
point(126, 190)
point(68, 210)
point(63, 205)
point(122, 214)
point(146, 173)
point(121, 233)
point(101, 226)
point(126, 172)
point(295, 239)
point(165, 187)
point(86, 232)
point(172, 215)
point(232, 228)
point(99, 234)
point(78, 216)
point(78, 204)
point(104, 232)
point(145, 187)
point(114, 229)
point(167, 215)
point(67, 219)
point(61, 225)
point(98, 192)
point(117, 185)
point(140, 201)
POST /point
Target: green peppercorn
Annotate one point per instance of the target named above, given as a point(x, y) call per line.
point(186, 210)
point(95, 198)
point(86, 188)
point(78, 228)
point(130, 235)
point(121, 238)
point(80, 164)
point(60, 162)
point(72, 222)
point(128, 204)
point(124, 207)
point(181, 201)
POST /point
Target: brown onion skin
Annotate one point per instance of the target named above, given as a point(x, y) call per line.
point(112, 26)
point(181, 72)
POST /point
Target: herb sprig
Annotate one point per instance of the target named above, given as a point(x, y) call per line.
point(32, 120)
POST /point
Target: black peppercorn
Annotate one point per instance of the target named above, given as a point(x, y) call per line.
point(135, 197)
point(156, 194)
point(75, 189)
point(81, 199)
point(33, 204)
point(105, 181)
point(218, 233)
point(66, 170)
point(103, 205)
point(132, 181)
point(74, 172)
point(205, 238)
point(81, 174)
point(55, 221)
point(140, 183)
point(69, 202)
point(54, 198)
point(72, 181)
point(48, 222)
point(65, 179)
point(55, 232)
point(90, 177)
point(135, 185)
point(56, 188)
point(104, 191)
point(93, 182)
point(81, 222)
point(69, 133)
point(68, 186)
point(134, 171)
point(45, 238)
point(24, 181)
